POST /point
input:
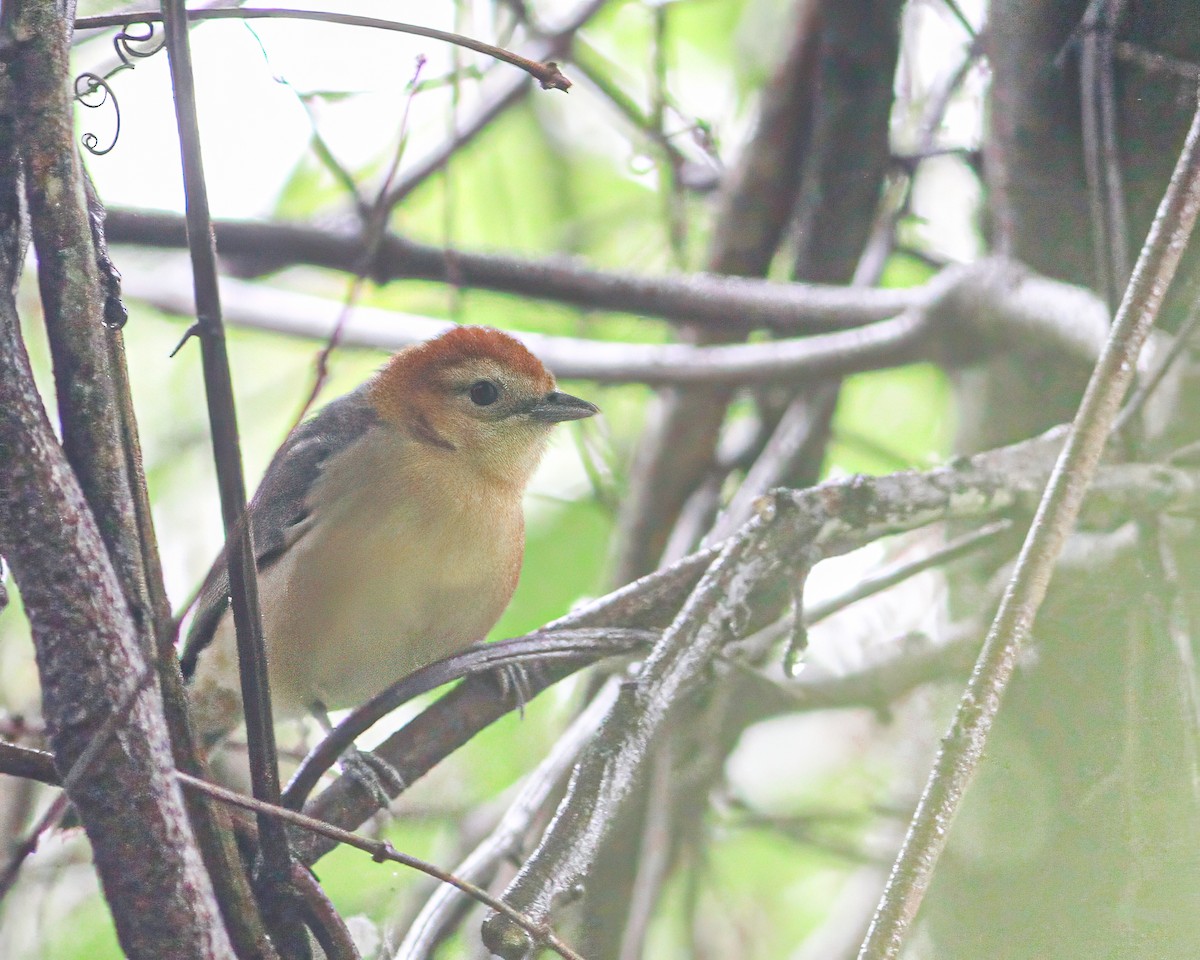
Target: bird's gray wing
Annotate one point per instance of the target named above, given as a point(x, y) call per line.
point(281, 506)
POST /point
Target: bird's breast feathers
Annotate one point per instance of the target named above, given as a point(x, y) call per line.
point(397, 569)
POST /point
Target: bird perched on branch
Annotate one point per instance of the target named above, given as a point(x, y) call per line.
point(388, 529)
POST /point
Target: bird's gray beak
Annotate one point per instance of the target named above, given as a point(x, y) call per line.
point(555, 407)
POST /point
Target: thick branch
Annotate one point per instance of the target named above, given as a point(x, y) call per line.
point(999, 482)
point(792, 531)
point(723, 302)
point(91, 663)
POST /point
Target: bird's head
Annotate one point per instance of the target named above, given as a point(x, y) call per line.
point(477, 395)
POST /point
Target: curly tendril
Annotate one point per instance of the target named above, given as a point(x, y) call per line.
point(93, 91)
point(139, 31)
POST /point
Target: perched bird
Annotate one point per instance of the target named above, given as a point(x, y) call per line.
point(388, 529)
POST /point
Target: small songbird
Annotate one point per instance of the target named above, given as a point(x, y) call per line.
point(388, 529)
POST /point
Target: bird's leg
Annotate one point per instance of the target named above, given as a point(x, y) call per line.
point(513, 680)
point(371, 771)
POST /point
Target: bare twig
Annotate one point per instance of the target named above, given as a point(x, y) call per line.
point(904, 570)
point(963, 747)
point(239, 548)
point(510, 835)
point(1097, 78)
point(380, 851)
point(24, 849)
point(547, 74)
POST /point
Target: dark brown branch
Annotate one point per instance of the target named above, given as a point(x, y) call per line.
point(381, 851)
point(26, 762)
point(282, 914)
point(703, 299)
point(542, 648)
point(89, 653)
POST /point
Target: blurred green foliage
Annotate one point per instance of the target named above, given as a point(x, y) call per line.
point(555, 175)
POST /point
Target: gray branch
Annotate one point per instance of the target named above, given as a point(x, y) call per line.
point(790, 532)
point(962, 314)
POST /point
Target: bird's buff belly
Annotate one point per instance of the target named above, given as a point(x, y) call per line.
point(338, 631)
point(386, 621)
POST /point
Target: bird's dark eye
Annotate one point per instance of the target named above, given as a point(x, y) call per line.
point(484, 393)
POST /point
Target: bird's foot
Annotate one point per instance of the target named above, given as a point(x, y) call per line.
point(379, 778)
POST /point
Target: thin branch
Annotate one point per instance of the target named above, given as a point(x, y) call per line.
point(1102, 160)
point(1157, 62)
point(789, 443)
point(547, 74)
point(963, 747)
point(1146, 389)
point(322, 917)
point(510, 835)
point(239, 547)
point(558, 44)
point(25, 848)
point(904, 570)
point(380, 851)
